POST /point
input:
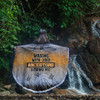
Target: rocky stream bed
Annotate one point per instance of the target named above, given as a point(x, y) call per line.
point(55, 94)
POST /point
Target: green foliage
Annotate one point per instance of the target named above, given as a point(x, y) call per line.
point(8, 30)
point(30, 27)
point(88, 6)
point(70, 10)
point(64, 12)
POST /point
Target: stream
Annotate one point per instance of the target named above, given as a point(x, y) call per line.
point(77, 80)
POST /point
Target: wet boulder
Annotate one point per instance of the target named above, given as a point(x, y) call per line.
point(91, 66)
point(93, 46)
point(98, 25)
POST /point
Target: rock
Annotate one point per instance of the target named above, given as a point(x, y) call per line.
point(7, 87)
point(5, 93)
point(91, 66)
point(98, 24)
point(2, 89)
point(93, 46)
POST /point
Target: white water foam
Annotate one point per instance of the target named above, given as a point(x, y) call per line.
point(75, 78)
point(95, 32)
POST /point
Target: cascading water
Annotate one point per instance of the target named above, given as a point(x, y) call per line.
point(76, 78)
point(96, 32)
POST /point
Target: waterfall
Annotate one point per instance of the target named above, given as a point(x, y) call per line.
point(95, 30)
point(77, 79)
